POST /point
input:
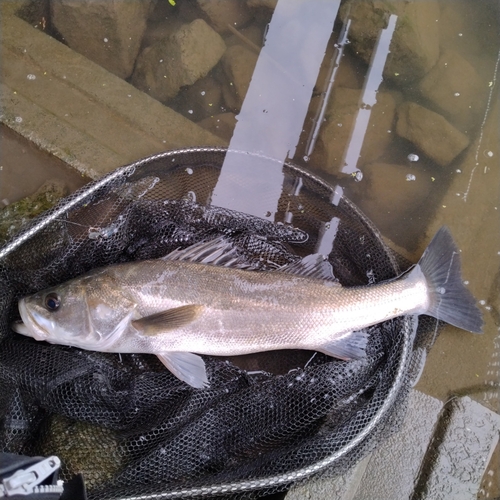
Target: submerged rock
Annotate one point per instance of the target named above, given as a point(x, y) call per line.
point(454, 88)
point(223, 12)
point(414, 48)
point(222, 125)
point(108, 33)
point(181, 59)
point(253, 34)
point(268, 4)
point(14, 216)
point(200, 100)
point(430, 132)
point(238, 63)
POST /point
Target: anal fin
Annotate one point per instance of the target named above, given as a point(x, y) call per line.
point(186, 366)
point(351, 345)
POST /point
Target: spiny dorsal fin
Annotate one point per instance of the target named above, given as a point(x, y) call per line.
point(311, 266)
point(168, 320)
point(216, 252)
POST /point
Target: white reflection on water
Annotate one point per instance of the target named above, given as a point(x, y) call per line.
point(275, 106)
point(332, 73)
point(368, 97)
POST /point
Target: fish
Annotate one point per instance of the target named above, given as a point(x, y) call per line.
point(202, 300)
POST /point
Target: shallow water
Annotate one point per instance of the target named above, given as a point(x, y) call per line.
point(24, 168)
point(315, 97)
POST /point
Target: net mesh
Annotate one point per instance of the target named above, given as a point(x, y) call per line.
point(267, 420)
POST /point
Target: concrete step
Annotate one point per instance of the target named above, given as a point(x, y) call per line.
point(77, 110)
point(441, 452)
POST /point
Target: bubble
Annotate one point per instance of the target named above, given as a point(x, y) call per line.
point(410, 177)
point(190, 111)
point(202, 92)
point(306, 158)
point(456, 94)
point(106, 40)
point(189, 171)
point(358, 176)
point(18, 119)
point(413, 157)
point(191, 196)
point(489, 154)
point(31, 77)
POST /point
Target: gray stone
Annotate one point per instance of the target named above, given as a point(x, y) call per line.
point(108, 33)
point(221, 125)
point(200, 100)
point(393, 468)
point(268, 4)
point(455, 89)
point(336, 132)
point(463, 452)
point(181, 59)
point(253, 34)
point(430, 132)
point(160, 28)
point(415, 44)
point(238, 63)
point(223, 12)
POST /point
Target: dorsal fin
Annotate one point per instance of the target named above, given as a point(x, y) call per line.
point(311, 266)
point(217, 252)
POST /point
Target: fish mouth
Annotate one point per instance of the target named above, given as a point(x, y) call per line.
point(27, 325)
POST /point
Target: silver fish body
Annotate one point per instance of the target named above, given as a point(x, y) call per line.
point(173, 307)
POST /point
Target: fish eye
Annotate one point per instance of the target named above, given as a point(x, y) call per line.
point(52, 301)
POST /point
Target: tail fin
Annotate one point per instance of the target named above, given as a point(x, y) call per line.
point(450, 301)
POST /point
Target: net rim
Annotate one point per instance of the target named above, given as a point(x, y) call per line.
point(409, 322)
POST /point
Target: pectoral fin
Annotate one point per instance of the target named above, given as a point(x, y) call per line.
point(352, 345)
point(165, 321)
point(186, 366)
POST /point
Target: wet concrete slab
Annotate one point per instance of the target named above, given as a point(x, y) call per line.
point(463, 445)
point(78, 111)
point(394, 467)
point(441, 451)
